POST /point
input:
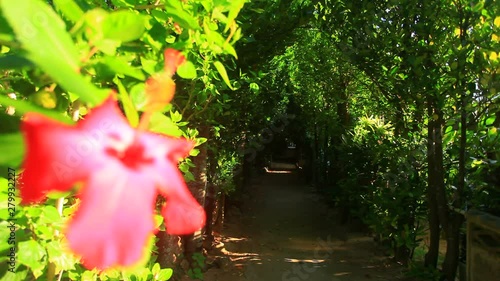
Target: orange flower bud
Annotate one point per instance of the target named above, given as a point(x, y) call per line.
point(173, 59)
point(160, 90)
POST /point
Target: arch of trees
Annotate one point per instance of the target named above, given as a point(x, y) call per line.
point(393, 104)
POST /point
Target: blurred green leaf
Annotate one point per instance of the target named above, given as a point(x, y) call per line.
point(41, 31)
point(149, 66)
point(9, 62)
point(194, 152)
point(25, 107)
point(162, 124)
point(43, 34)
point(50, 215)
point(69, 9)
point(138, 96)
point(490, 121)
point(10, 123)
point(236, 7)
point(187, 70)
point(128, 106)
point(107, 46)
point(6, 32)
point(124, 3)
point(160, 16)
point(119, 65)
point(123, 26)
point(88, 276)
point(60, 256)
point(11, 150)
point(174, 9)
point(20, 275)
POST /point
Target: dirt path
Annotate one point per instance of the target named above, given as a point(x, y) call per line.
point(284, 232)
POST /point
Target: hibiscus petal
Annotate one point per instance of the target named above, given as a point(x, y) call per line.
point(115, 219)
point(54, 160)
point(106, 126)
point(182, 213)
point(59, 155)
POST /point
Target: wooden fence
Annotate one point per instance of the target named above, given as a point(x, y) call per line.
point(483, 246)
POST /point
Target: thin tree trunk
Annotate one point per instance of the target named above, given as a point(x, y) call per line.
point(193, 242)
point(431, 257)
point(220, 213)
point(210, 200)
point(450, 263)
point(315, 153)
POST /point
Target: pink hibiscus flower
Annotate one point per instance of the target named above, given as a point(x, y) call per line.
point(121, 169)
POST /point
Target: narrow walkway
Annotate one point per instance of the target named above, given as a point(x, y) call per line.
point(284, 232)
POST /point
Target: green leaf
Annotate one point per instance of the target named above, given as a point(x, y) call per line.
point(19, 275)
point(174, 9)
point(164, 274)
point(200, 141)
point(254, 87)
point(143, 274)
point(222, 71)
point(478, 6)
point(124, 3)
point(236, 6)
point(43, 34)
point(156, 267)
point(158, 220)
point(448, 137)
point(490, 121)
point(194, 152)
point(88, 275)
point(175, 116)
point(393, 71)
point(123, 26)
point(119, 65)
point(138, 96)
point(50, 215)
point(160, 16)
point(187, 70)
point(128, 106)
point(11, 150)
point(107, 46)
point(230, 49)
point(70, 9)
point(32, 254)
point(60, 257)
point(149, 66)
point(493, 132)
point(4, 228)
point(160, 123)
point(41, 31)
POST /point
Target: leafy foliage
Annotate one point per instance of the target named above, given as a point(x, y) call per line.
point(64, 57)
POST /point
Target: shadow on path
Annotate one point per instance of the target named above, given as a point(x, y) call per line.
point(284, 232)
